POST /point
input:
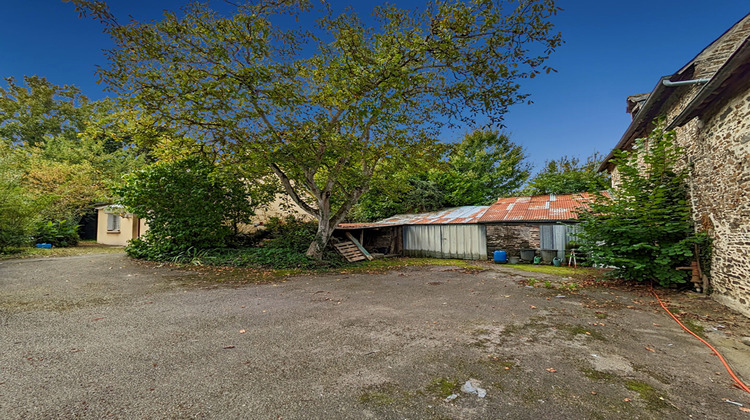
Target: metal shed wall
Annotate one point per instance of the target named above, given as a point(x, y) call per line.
point(557, 237)
point(467, 242)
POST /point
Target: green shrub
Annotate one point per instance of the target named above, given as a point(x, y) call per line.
point(281, 245)
point(645, 229)
point(17, 209)
point(189, 206)
point(59, 233)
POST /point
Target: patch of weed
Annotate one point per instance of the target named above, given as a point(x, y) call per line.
point(392, 263)
point(480, 331)
point(694, 327)
point(548, 285)
point(648, 394)
point(598, 375)
point(559, 271)
point(532, 281)
point(499, 364)
point(535, 320)
point(601, 315)
point(382, 394)
point(481, 343)
point(531, 396)
point(575, 330)
point(443, 387)
point(570, 286)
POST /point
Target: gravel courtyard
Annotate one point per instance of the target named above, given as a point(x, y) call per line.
point(101, 336)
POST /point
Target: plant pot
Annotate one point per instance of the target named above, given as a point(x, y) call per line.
point(528, 254)
point(514, 260)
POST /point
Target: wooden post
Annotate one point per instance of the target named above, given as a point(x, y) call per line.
point(361, 248)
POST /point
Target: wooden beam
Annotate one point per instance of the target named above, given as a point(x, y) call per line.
point(361, 248)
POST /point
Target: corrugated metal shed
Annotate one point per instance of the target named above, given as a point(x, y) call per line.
point(449, 233)
point(548, 207)
point(464, 241)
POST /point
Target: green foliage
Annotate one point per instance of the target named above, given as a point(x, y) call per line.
point(39, 111)
point(59, 233)
point(569, 175)
point(644, 230)
point(281, 245)
point(66, 147)
point(477, 170)
point(17, 209)
point(186, 206)
point(324, 109)
point(485, 165)
point(418, 193)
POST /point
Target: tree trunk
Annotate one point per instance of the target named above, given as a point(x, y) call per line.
point(327, 223)
point(322, 236)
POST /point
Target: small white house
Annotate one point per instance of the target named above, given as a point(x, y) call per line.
point(115, 226)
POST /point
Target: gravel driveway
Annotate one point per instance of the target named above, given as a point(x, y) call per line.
point(101, 336)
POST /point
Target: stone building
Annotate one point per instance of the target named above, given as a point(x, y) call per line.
point(533, 222)
point(707, 103)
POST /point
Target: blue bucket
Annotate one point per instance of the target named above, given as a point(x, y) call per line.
point(500, 257)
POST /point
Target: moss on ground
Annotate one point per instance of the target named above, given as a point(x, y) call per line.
point(597, 375)
point(557, 271)
point(575, 330)
point(443, 387)
point(694, 327)
point(392, 263)
point(648, 394)
point(381, 394)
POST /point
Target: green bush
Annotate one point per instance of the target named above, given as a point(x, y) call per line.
point(59, 233)
point(189, 205)
point(17, 209)
point(281, 245)
point(645, 229)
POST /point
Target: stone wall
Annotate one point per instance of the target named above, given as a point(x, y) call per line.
point(512, 237)
point(717, 150)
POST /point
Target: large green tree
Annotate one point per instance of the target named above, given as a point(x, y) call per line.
point(568, 175)
point(483, 166)
point(323, 109)
point(17, 209)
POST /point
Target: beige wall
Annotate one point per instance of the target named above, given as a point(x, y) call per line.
point(130, 227)
point(281, 207)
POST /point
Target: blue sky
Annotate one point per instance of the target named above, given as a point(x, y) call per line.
point(612, 49)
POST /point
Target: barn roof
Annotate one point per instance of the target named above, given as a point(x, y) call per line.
point(548, 207)
point(456, 215)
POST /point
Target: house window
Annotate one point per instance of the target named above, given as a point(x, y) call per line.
point(113, 222)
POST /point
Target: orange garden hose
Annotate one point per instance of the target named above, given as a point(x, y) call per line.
point(716, 352)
